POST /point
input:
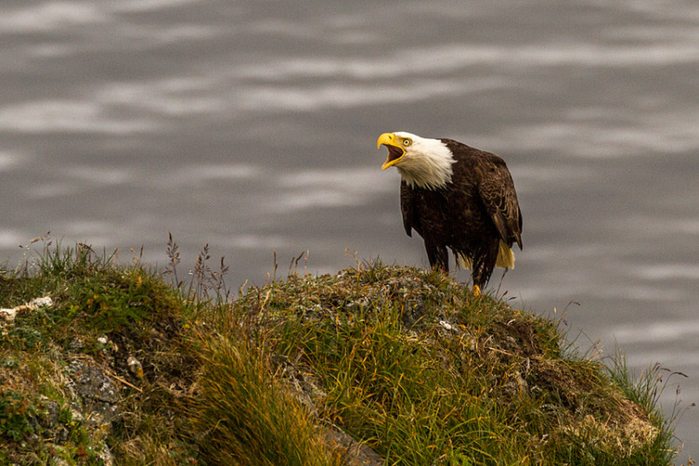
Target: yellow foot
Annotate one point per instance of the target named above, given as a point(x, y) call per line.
point(476, 291)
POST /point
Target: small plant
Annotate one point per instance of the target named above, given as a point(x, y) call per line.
point(15, 413)
point(22, 337)
point(173, 254)
point(205, 283)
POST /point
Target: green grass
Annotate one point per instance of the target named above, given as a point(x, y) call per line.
point(406, 361)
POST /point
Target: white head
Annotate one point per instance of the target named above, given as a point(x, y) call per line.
point(421, 162)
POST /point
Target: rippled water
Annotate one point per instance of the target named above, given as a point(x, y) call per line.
point(251, 126)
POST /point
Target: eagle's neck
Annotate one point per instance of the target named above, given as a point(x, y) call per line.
point(428, 166)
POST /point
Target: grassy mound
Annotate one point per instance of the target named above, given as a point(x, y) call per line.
point(374, 365)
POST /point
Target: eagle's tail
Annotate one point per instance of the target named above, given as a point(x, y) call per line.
point(506, 258)
point(463, 261)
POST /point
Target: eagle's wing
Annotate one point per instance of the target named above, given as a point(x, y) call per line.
point(497, 190)
point(407, 208)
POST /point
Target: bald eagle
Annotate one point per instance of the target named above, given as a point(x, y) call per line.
point(456, 197)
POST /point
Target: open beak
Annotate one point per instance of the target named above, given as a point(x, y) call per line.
point(395, 152)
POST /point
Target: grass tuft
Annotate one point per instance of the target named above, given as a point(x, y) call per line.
point(246, 417)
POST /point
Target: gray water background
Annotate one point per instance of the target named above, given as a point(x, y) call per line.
point(251, 126)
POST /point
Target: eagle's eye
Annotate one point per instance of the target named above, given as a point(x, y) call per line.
point(407, 142)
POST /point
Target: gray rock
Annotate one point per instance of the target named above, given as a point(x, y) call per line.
point(353, 452)
point(96, 391)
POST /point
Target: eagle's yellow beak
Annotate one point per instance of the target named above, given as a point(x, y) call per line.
point(395, 151)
